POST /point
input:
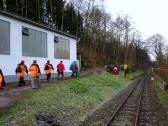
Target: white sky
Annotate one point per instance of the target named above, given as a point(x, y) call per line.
point(148, 16)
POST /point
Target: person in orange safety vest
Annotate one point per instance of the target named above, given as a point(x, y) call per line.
point(21, 71)
point(48, 70)
point(2, 80)
point(35, 73)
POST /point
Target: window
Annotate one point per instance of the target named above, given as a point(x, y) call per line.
point(4, 37)
point(61, 48)
point(34, 43)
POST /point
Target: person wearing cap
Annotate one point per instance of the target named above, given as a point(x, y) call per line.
point(21, 71)
point(48, 70)
point(2, 80)
point(60, 70)
point(35, 73)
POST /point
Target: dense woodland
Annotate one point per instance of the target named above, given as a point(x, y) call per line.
point(104, 39)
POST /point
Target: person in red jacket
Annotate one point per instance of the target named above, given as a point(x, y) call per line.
point(2, 80)
point(115, 70)
point(60, 70)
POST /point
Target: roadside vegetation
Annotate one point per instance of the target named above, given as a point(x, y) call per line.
point(163, 95)
point(162, 73)
point(135, 75)
point(67, 102)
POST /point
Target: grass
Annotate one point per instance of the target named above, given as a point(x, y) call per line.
point(163, 95)
point(66, 102)
point(135, 75)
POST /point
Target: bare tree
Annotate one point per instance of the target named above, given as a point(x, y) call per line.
point(155, 45)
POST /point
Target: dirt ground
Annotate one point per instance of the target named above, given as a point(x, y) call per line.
point(11, 94)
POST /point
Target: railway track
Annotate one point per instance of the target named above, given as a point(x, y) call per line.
point(128, 111)
point(139, 107)
point(152, 112)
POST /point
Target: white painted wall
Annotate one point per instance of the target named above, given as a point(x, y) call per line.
point(8, 63)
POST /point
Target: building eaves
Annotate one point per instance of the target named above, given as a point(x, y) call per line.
point(8, 14)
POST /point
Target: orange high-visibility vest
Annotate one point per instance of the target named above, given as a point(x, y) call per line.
point(34, 71)
point(49, 70)
point(21, 74)
point(23, 68)
point(1, 80)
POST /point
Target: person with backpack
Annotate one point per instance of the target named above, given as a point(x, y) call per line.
point(60, 70)
point(74, 68)
point(115, 70)
point(125, 70)
point(48, 70)
point(21, 71)
point(35, 73)
point(2, 80)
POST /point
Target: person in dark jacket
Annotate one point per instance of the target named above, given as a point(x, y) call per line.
point(21, 71)
point(48, 70)
point(2, 80)
point(85, 65)
point(74, 69)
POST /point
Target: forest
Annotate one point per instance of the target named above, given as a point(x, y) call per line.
point(103, 38)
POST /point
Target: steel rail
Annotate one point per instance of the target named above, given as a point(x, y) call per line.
point(139, 105)
point(120, 106)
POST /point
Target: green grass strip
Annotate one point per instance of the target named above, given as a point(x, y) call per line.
point(67, 102)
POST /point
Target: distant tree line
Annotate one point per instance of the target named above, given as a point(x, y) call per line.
point(103, 40)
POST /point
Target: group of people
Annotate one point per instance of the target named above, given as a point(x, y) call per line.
point(116, 69)
point(21, 71)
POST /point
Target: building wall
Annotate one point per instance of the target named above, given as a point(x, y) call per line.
point(8, 63)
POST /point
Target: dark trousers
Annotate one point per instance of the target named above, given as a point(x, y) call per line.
point(21, 82)
point(48, 77)
point(74, 74)
point(85, 68)
point(62, 74)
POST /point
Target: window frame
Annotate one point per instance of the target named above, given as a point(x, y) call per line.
point(9, 53)
point(66, 42)
point(46, 56)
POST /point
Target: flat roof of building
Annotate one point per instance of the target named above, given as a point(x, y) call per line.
point(26, 20)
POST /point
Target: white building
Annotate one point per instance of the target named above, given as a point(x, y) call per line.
point(22, 39)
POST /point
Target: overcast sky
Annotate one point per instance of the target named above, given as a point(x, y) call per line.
point(148, 16)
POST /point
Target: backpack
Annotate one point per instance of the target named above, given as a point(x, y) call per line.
point(19, 69)
point(71, 66)
point(46, 67)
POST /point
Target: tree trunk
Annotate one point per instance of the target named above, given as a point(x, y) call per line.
point(62, 22)
point(22, 8)
point(38, 10)
point(16, 6)
point(26, 8)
